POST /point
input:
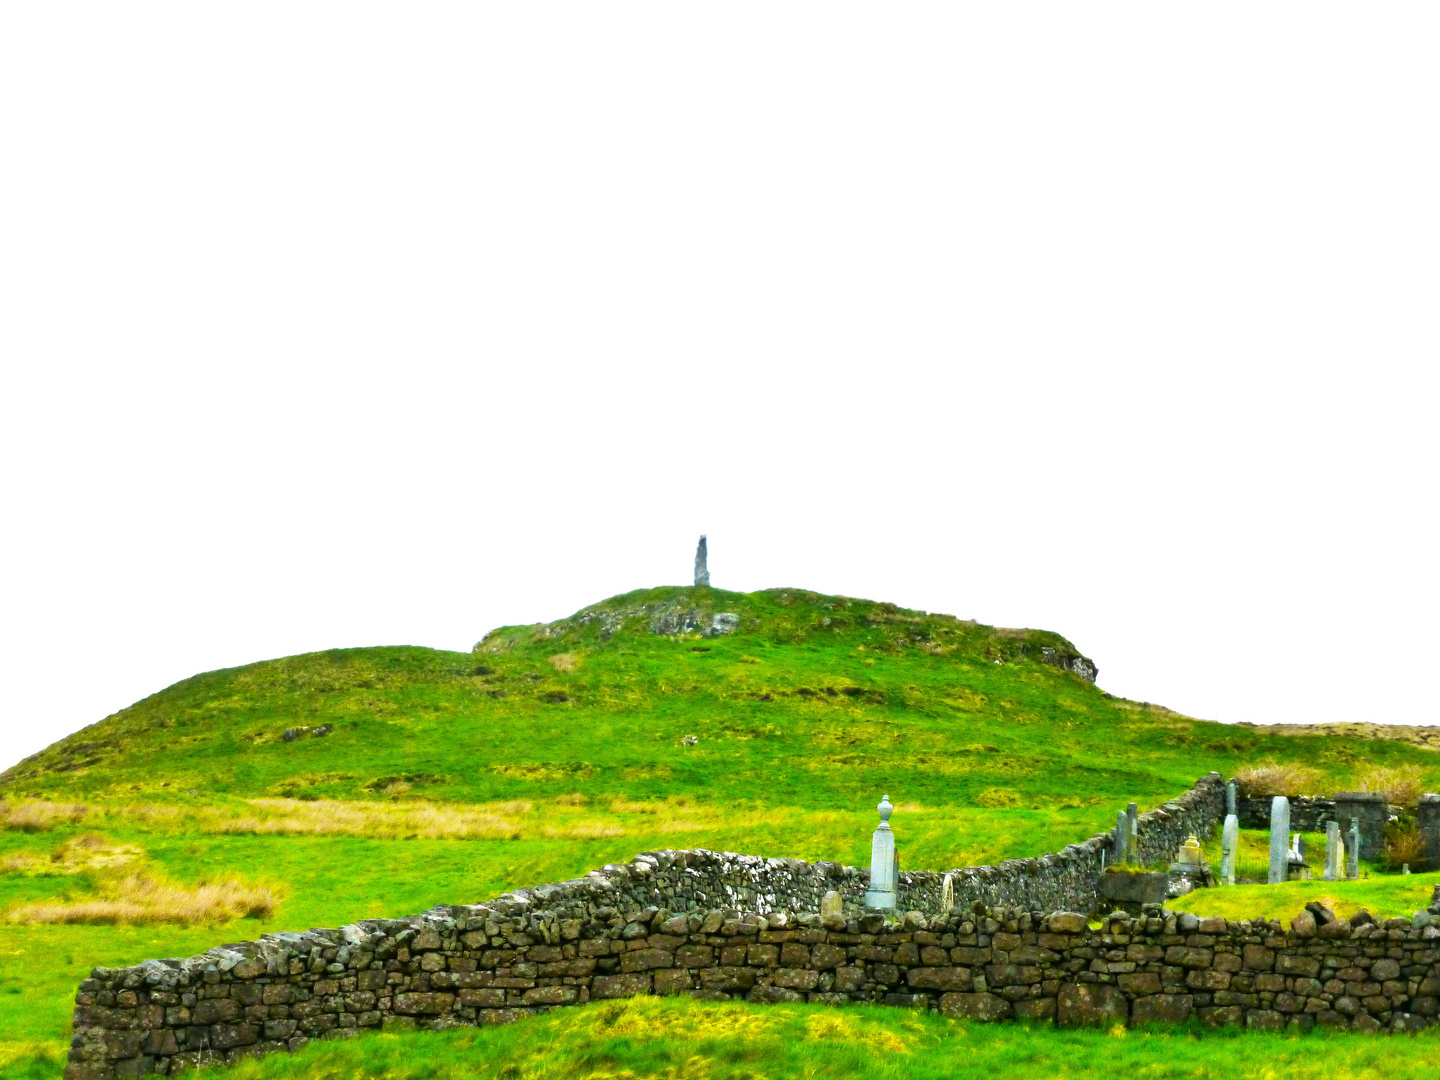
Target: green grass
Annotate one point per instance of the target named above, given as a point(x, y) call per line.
point(788, 711)
point(677, 1039)
point(571, 744)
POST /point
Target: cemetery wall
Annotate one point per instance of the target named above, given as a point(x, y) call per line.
point(1308, 813)
point(587, 940)
point(666, 922)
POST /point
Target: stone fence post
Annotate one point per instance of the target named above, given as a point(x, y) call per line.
point(1427, 816)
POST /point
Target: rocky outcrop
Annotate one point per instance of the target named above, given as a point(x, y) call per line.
point(1069, 661)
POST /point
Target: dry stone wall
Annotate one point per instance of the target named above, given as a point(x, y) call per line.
point(710, 924)
point(1308, 813)
point(517, 956)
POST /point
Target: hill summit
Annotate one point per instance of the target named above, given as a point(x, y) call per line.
point(780, 697)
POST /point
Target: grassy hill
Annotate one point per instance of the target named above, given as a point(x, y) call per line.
point(815, 701)
point(414, 776)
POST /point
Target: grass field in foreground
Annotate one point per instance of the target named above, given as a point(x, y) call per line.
point(677, 1039)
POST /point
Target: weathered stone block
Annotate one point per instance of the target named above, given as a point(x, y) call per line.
point(1264, 1020)
point(946, 979)
point(824, 957)
point(974, 1006)
point(648, 959)
point(1207, 979)
point(673, 981)
point(229, 1036)
point(1222, 1016)
point(1141, 982)
point(1162, 1008)
point(770, 995)
point(423, 1004)
point(728, 979)
point(1067, 922)
point(1035, 1009)
point(1288, 964)
point(1090, 1005)
point(551, 995)
point(621, 986)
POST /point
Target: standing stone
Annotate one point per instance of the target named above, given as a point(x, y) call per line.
point(702, 570)
point(1352, 856)
point(883, 861)
point(1122, 836)
point(1229, 844)
point(1279, 839)
point(1333, 869)
point(1230, 799)
point(1132, 834)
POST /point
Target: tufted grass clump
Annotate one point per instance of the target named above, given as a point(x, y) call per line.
point(149, 899)
point(1277, 778)
point(1403, 785)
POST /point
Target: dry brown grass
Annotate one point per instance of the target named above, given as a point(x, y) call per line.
point(565, 661)
point(583, 830)
point(388, 820)
point(1273, 778)
point(998, 798)
point(138, 899)
point(38, 815)
point(575, 798)
point(89, 853)
point(1402, 786)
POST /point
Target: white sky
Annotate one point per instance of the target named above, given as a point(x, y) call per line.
point(356, 324)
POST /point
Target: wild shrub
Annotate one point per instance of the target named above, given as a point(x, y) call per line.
point(1402, 843)
point(1273, 778)
point(1402, 786)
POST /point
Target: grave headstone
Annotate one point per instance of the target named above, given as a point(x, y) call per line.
point(1229, 843)
point(1333, 868)
point(1230, 799)
point(1279, 839)
point(1122, 837)
point(1352, 853)
point(883, 861)
point(1132, 834)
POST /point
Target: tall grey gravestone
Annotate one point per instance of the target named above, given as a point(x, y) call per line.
point(1333, 870)
point(1352, 853)
point(1132, 834)
point(1122, 836)
point(881, 893)
point(702, 570)
point(1279, 839)
point(1230, 796)
point(1229, 842)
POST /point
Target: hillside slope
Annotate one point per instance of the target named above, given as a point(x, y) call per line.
point(783, 697)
